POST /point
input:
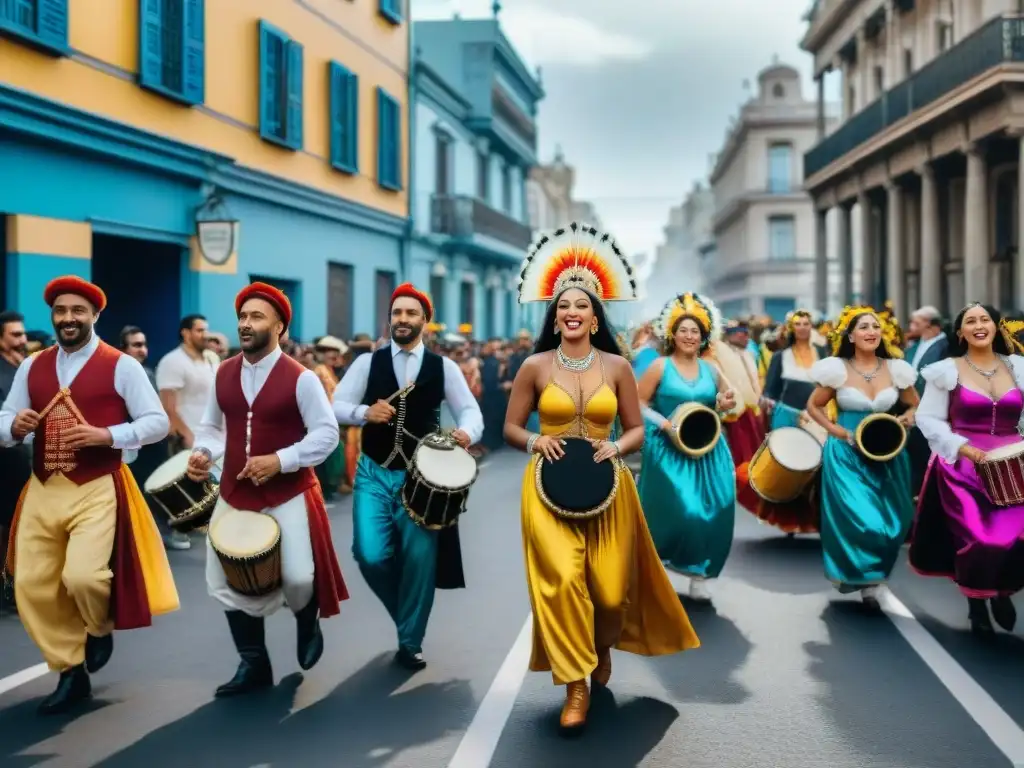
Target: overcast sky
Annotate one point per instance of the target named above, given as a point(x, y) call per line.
point(639, 92)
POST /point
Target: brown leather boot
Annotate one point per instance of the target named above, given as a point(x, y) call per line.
point(603, 673)
point(577, 702)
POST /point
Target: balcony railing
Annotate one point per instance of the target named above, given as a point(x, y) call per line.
point(1000, 41)
point(463, 216)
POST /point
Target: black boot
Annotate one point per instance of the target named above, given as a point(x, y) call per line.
point(98, 651)
point(254, 671)
point(977, 612)
point(73, 687)
point(410, 659)
point(1003, 612)
point(310, 640)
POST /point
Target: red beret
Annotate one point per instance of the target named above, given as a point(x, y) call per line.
point(77, 286)
point(410, 290)
point(268, 293)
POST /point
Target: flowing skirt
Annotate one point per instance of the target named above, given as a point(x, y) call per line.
point(866, 510)
point(690, 504)
point(745, 436)
point(960, 534)
point(597, 584)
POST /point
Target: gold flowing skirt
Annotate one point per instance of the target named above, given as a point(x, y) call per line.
point(597, 584)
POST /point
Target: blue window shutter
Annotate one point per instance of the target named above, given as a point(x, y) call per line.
point(352, 122)
point(391, 10)
point(151, 28)
point(52, 23)
point(396, 144)
point(267, 94)
point(337, 120)
point(381, 136)
point(294, 113)
point(193, 54)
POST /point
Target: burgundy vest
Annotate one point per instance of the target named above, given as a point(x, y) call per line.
point(91, 399)
point(276, 424)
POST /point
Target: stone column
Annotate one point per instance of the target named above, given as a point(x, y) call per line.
point(976, 255)
point(863, 70)
point(930, 266)
point(821, 260)
point(896, 269)
point(845, 238)
point(1018, 261)
point(869, 258)
point(821, 106)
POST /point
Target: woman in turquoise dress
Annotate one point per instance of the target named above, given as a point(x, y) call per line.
point(689, 503)
point(866, 507)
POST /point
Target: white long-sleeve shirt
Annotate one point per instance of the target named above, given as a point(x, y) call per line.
point(348, 397)
point(149, 422)
point(321, 427)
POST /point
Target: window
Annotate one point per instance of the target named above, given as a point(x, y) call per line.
point(443, 160)
point(778, 91)
point(908, 62)
point(172, 42)
point(777, 307)
point(385, 287)
point(344, 119)
point(437, 297)
point(781, 237)
point(483, 176)
point(340, 298)
point(879, 80)
point(280, 88)
point(389, 148)
point(41, 23)
point(944, 34)
point(506, 188)
point(780, 167)
point(466, 308)
point(391, 10)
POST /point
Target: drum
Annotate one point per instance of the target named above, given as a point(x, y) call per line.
point(784, 465)
point(576, 487)
point(696, 429)
point(188, 504)
point(880, 437)
point(248, 545)
point(437, 482)
point(1002, 471)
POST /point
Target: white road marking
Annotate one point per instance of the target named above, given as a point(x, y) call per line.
point(481, 739)
point(983, 709)
point(11, 682)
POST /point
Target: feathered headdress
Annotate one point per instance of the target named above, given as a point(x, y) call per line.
point(890, 329)
point(700, 308)
point(576, 256)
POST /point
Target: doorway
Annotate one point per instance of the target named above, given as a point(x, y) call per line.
point(142, 280)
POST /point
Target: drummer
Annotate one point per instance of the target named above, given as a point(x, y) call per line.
point(689, 502)
point(270, 445)
point(402, 562)
point(866, 507)
point(972, 403)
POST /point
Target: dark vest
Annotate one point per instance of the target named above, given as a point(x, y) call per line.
point(422, 407)
point(276, 423)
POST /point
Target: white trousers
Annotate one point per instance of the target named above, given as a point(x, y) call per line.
point(296, 564)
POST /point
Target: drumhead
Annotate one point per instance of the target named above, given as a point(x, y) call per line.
point(452, 469)
point(1005, 451)
point(171, 470)
point(576, 484)
point(241, 534)
point(795, 448)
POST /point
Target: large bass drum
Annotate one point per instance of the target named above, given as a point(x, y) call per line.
point(188, 504)
point(1002, 472)
point(576, 487)
point(248, 545)
point(437, 482)
point(784, 465)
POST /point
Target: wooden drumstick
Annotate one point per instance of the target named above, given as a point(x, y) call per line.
point(403, 391)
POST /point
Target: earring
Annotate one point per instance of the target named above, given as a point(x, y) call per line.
point(556, 329)
point(593, 329)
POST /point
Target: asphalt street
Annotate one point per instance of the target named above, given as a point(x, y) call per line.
point(790, 675)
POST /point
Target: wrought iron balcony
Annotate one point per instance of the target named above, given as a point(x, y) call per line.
point(999, 42)
point(464, 217)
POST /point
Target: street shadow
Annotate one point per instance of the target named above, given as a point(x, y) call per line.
point(779, 564)
point(620, 735)
point(706, 675)
point(21, 727)
point(879, 694)
point(363, 723)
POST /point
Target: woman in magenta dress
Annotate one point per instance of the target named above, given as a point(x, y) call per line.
point(973, 402)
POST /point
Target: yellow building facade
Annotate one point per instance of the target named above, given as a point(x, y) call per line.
point(131, 119)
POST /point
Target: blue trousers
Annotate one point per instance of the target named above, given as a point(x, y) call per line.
point(397, 558)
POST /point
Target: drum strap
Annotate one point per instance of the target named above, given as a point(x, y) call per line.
point(400, 433)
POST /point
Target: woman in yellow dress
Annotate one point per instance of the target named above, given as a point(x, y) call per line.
point(594, 584)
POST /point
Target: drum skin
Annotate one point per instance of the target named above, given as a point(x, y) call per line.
point(784, 465)
point(575, 486)
point(188, 504)
point(1002, 472)
point(437, 484)
point(696, 429)
point(248, 545)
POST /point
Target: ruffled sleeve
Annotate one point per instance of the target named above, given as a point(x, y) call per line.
point(829, 372)
point(933, 413)
point(903, 374)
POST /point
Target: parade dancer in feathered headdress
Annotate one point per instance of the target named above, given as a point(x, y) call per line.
point(973, 404)
point(866, 505)
point(689, 496)
point(595, 579)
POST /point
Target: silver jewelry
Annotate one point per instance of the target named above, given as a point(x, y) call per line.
point(576, 365)
point(979, 371)
point(531, 441)
point(868, 376)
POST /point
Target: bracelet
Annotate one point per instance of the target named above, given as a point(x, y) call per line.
point(531, 441)
point(618, 448)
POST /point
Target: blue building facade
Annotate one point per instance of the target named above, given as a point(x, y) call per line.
point(474, 142)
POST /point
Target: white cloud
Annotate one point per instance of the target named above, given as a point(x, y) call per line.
point(544, 36)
